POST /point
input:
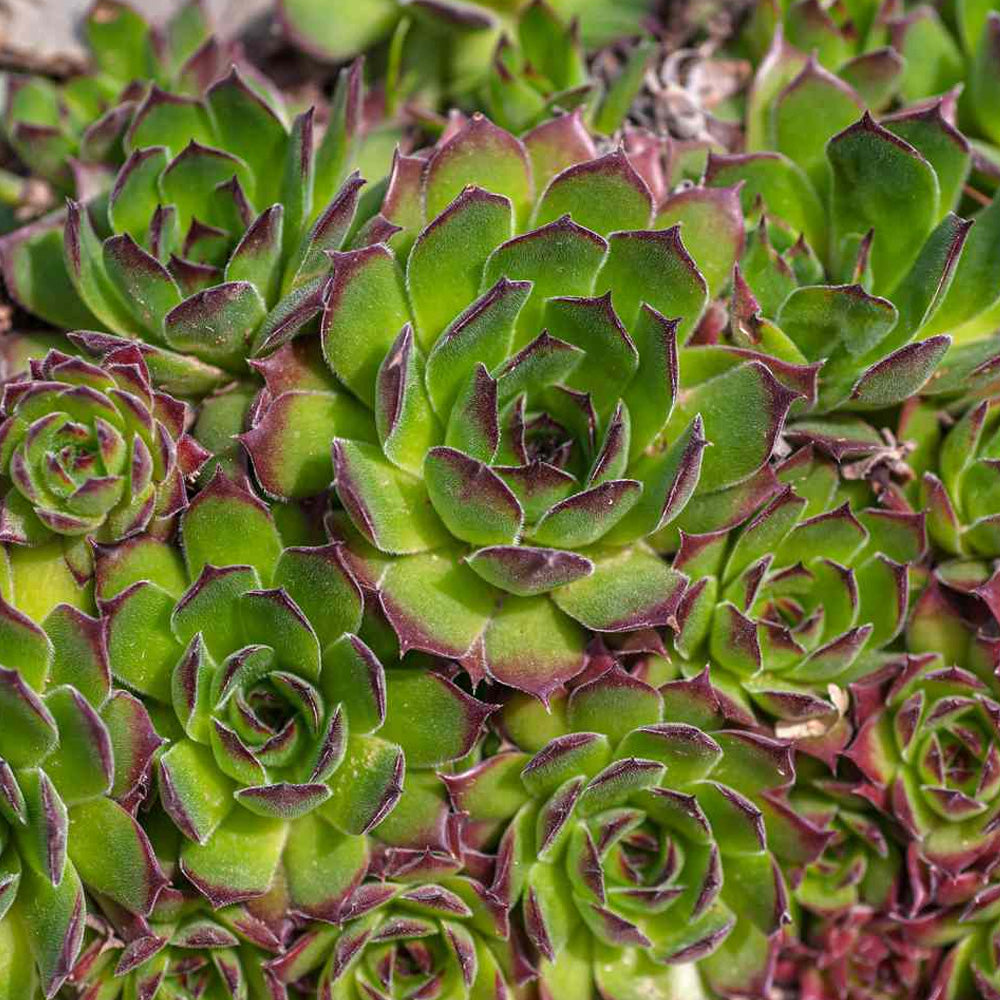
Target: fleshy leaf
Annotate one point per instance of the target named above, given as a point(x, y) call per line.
point(881, 182)
point(367, 295)
point(471, 499)
point(629, 589)
point(482, 154)
point(711, 222)
point(743, 410)
point(388, 506)
point(454, 718)
point(604, 195)
point(445, 266)
point(239, 861)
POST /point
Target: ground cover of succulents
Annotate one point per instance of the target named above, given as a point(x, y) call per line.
point(500, 500)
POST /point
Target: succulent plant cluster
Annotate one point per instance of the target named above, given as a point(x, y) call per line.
point(562, 567)
point(447, 48)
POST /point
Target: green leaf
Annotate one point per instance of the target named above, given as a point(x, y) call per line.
point(195, 793)
point(933, 62)
point(366, 310)
point(388, 506)
point(120, 41)
point(240, 859)
point(192, 176)
point(629, 589)
point(85, 263)
point(560, 258)
point(169, 120)
point(323, 866)
point(24, 647)
point(113, 856)
point(880, 182)
point(542, 664)
point(624, 88)
point(296, 189)
point(656, 269)
point(53, 920)
point(435, 603)
point(483, 155)
point(471, 499)
point(811, 29)
point(984, 80)
point(669, 477)
point(35, 273)
point(257, 257)
point(453, 718)
point(353, 30)
point(289, 445)
point(941, 145)
point(473, 424)
point(136, 193)
point(82, 766)
point(874, 76)
point(227, 526)
point(366, 786)
point(142, 282)
point(824, 321)
point(586, 517)
point(777, 69)
point(610, 358)
point(339, 142)
point(813, 107)
point(311, 259)
point(211, 607)
point(141, 649)
point(482, 334)
point(187, 31)
point(30, 732)
point(353, 677)
point(270, 618)
point(249, 129)
point(603, 194)
point(318, 581)
point(900, 375)
point(445, 266)
point(921, 294)
point(711, 221)
point(782, 185)
point(79, 653)
point(18, 977)
point(743, 411)
point(556, 144)
point(977, 275)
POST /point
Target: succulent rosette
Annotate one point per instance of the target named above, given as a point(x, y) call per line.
point(856, 256)
point(180, 950)
point(423, 928)
point(905, 52)
point(961, 485)
point(75, 762)
point(510, 425)
point(91, 451)
point(799, 598)
point(628, 834)
point(444, 46)
point(928, 751)
point(863, 954)
point(221, 207)
point(71, 133)
point(861, 863)
point(281, 743)
point(958, 915)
